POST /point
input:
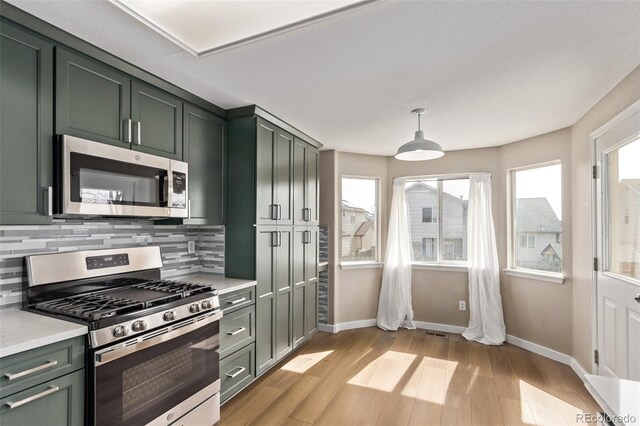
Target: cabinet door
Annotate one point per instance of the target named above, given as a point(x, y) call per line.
point(157, 121)
point(266, 239)
point(299, 181)
point(311, 274)
point(92, 99)
point(299, 239)
point(265, 147)
point(57, 402)
point(284, 293)
point(312, 186)
point(205, 145)
point(283, 177)
point(26, 117)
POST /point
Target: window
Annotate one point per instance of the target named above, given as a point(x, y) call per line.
point(427, 214)
point(359, 223)
point(536, 204)
point(437, 211)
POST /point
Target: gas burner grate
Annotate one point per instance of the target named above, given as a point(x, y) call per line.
point(183, 288)
point(91, 307)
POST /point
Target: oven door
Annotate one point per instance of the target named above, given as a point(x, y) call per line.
point(159, 377)
point(100, 179)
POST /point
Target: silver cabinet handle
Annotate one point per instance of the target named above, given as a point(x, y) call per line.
point(279, 211)
point(48, 201)
point(127, 132)
point(236, 331)
point(48, 364)
point(637, 298)
point(138, 133)
point(52, 389)
point(279, 238)
point(306, 239)
point(236, 301)
point(306, 214)
point(274, 238)
point(236, 371)
point(273, 214)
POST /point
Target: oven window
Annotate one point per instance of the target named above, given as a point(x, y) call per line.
point(96, 180)
point(141, 386)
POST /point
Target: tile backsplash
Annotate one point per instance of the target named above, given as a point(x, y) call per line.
point(66, 235)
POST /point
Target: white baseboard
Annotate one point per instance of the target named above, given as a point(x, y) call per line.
point(577, 368)
point(445, 328)
point(539, 349)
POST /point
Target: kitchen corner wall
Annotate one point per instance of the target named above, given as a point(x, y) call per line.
point(67, 235)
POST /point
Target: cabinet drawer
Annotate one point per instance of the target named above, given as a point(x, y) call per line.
point(30, 368)
point(233, 301)
point(54, 403)
point(237, 330)
point(237, 371)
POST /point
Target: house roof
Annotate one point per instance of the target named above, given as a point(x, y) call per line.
point(363, 229)
point(535, 215)
point(553, 247)
point(350, 206)
point(419, 186)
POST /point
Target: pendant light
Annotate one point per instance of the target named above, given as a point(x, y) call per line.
point(419, 148)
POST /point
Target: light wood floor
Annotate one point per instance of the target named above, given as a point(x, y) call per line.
point(369, 376)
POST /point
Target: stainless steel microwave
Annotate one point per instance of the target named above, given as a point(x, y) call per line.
point(95, 179)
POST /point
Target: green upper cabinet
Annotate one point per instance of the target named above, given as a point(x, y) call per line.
point(93, 100)
point(157, 121)
point(274, 178)
point(26, 130)
point(97, 102)
point(266, 136)
point(305, 183)
point(205, 146)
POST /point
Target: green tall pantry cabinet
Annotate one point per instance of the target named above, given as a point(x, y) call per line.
point(26, 127)
point(272, 233)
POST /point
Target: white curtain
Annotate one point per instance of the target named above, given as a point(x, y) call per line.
point(486, 321)
point(394, 307)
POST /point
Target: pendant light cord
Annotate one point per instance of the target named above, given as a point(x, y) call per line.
point(419, 122)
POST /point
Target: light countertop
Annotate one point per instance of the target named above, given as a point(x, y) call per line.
point(223, 284)
point(616, 396)
point(21, 331)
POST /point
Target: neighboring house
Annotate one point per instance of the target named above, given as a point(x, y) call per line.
point(358, 232)
point(628, 221)
point(422, 204)
point(538, 239)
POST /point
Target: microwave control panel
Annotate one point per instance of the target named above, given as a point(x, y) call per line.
point(99, 262)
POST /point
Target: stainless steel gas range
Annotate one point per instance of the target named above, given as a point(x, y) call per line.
point(153, 354)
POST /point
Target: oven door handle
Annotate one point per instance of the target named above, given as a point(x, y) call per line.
point(112, 354)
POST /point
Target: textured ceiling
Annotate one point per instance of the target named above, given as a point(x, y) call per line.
point(489, 73)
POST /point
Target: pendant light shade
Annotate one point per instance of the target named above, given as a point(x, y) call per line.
point(419, 149)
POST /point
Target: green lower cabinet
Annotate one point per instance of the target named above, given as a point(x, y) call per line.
point(57, 402)
point(311, 307)
point(237, 329)
point(299, 286)
point(26, 129)
point(237, 371)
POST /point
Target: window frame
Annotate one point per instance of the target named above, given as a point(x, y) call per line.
point(454, 265)
point(346, 264)
point(512, 269)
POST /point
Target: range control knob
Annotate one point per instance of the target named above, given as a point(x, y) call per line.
point(206, 304)
point(120, 331)
point(195, 308)
point(169, 316)
point(139, 325)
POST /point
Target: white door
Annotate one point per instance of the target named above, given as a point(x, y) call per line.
point(617, 154)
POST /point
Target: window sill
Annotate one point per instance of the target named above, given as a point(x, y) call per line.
point(361, 265)
point(535, 275)
point(443, 267)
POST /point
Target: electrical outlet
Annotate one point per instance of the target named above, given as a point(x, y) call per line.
point(462, 305)
point(191, 247)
